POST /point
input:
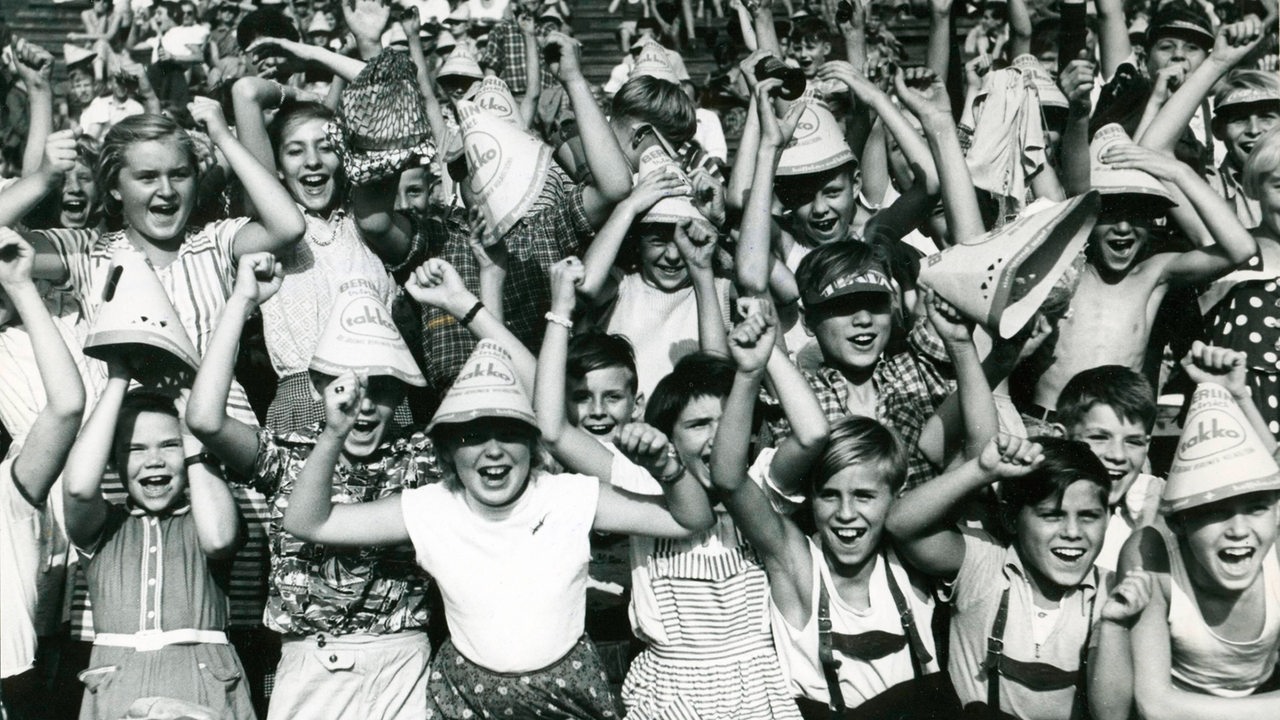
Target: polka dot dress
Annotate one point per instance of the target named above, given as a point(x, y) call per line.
point(1248, 320)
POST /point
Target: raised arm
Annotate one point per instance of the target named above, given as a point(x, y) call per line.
point(941, 37)
point(603, 250)
point(252, 98)
point(1113, 35)
point(236, 443)
point(51, 435)
point(532, 68)
point(683, 509)
point(966, 420)
point(275, 231)
point(86, 509)
point(34, 66)
point(1019, 28)
point(610, 172)
point(1076, 82)
point(412, 24)
point(753, 257)
point(696, 243)
point(219, 526)
point(1230, 369)
point(342, 66)
point(58, 157)
point(796, 453)
point(312, 515)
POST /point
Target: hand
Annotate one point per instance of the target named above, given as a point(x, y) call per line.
point(410, 22)
point(437, 283)
point(1236, 40)
point(923, 93)
point(696, 242)
point(954, 330)
point(1041, 329)
point(655, 186)
point(940, 8)
point(16, 259)
point(1006, 456)
point(708, 196)
point(490, 254)
point(843, 72)
point(1223, 366)
point(59, 153)
point(1076, 81)
point(751, 341)
point(1130, 155)
point(570, 65)
point(366, 19)
point(775, 133)
point(342, 399)
point(566, 278)
point(647, 447)
point(748, 66)
point(34, 65)
point(275, 46)
point(258, 277)
point(1168, 80)
point(208, 114)
point(138, 73)
point(1127, 601)
point(975, 70)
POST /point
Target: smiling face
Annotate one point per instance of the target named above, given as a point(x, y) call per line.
point(849, 511)
point(1059, 540)
point(156, 189)
point(381, 398)
point(79, 196)
point(601, 401)
point(810, 54)
point(661, 264)
point(852, 330)
point(827, 214)
point(414, 193)
point(1241, 130)
point(693, 432)
point(148, 451)
point(1120, 444)
point(309, 165)
point(492, 458)
point(1224, 543)
point(1119, 237)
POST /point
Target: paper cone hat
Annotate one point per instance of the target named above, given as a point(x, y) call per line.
point(320, 24)
point(73, 55)
point(495, 97)
point(1001, 279)
point(668, 209)
point(1219, 455)
point(445, 41)
point(507, 166)
point(487, 387)
point(652, 61)
point(1048, 91)
point(1109, 180)
point(137, 318)
point(361, 336)
point(461, 62)
point(817, 145)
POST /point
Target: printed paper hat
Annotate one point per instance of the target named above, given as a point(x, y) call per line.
point(1219, 455)
point(461, 62)
point(462, 13)
point(669, 209)
point(817, 145)
point(445, 41)
point(486, 387)
point(507, 166)
point(549, 12)
point(1001, 279)
point(494, 96)
point(1110, 180)
point(652, 61)
point(1240, 99)
point(73, 55)
point(382, 123)
point(1182, 20)
point(360, 335)
point(320, 24)
point(1048, 91)
point(137, 318)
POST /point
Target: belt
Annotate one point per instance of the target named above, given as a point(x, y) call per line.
point(1035, 412)
point(155, 639)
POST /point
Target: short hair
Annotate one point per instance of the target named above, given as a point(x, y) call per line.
point(1065, 462)
point(136, 403)
point(695, 376)
point(794, 191)
point(445, 438)
point(1181, 12)
point(1126, 392)
point(660, 103)
point(1242, 80)
point(599, 350)
point(833, 260)
point(127, 133)
point(857, 440)
point(811, 28)
point(265, 22)
point(1263, 162)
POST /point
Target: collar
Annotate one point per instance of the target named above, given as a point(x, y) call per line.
point(1013, 567)
point(136, 511)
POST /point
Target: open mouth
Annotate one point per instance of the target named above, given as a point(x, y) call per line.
point(1234, 556)
point(364, 427)
point(863, 342)
point(1068, 555)
point(669, 271)
point(314, 183)
point(165, 210)
point(848, 536)
point(1122, 246)
point(600, 429)
point(824, 226)
point(494, 475)
point(154, 486)
point(74, 205)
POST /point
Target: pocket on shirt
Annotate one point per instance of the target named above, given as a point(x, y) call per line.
point(96, 679)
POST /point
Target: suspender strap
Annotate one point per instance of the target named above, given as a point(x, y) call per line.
point(915, 645)
point(995, 650)
point(826, 655)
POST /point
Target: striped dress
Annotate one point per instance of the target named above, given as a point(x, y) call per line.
point(702, 607)
point(198, 283)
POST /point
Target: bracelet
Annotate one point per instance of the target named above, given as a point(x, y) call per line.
point(560, 320)
point(204, 458)
point(672, 477)
point(280, 89)
point(471, 314)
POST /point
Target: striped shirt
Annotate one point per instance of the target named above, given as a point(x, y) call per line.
point(198, 283)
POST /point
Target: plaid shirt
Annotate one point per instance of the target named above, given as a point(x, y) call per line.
point(909, 387)
point(504, 55)
point(446, 345)
point(319, 589)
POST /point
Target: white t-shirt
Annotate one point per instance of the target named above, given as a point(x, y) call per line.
point(185, 42)
point(710, 134)
point(514, 587)
point(19, 567)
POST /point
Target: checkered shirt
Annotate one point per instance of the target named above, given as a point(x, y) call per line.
point(504, 55)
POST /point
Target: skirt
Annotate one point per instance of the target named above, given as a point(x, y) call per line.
point(205, 674)
point(574, 687)
point(751, 687)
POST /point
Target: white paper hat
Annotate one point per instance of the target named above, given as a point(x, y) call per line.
point(137, 318)
point(1001, 279)
point(669, 209)
point(1110, 180)
point(361, 336)
point(487, 387)
point(817, 145)
point(1048, 91)
point(461, 62)
point(74, 54)
point(652, 61)
point(1219, 455)
point(507, 167)
point(495, 97)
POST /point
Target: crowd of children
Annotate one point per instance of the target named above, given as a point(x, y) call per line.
point(366, 360)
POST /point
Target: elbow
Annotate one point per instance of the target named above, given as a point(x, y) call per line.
point(813, 439)
point(204, 424)
point(291, 228)
point(751, 283)
point(223, 546)
point(80, 491)
point(701, 522)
